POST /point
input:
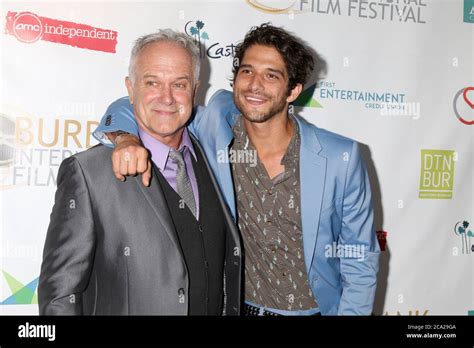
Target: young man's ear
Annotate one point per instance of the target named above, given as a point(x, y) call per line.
point(294, 93)
point(129, 85)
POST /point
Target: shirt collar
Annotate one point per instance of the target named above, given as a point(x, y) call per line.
point(292, 152)
point(240, 134)
point(160, 151)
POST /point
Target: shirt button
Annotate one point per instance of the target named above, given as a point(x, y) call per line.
point(284, 274)
point(270, 192)
point(269, 222)
point(200, 228)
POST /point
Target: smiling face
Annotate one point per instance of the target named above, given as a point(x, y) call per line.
point(261, 84)
point(162, 90)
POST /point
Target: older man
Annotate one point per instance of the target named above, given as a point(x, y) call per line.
point(170, 249)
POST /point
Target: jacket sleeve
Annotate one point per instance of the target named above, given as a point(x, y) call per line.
point(208, 119)
point(358, 238)
point(119, 116)
point(70, 243)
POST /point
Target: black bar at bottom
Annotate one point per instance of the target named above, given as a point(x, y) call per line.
point(412, 330)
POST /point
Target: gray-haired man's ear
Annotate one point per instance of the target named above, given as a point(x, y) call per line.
point(129, 85)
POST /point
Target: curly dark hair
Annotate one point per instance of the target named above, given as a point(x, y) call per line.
point(298, 59)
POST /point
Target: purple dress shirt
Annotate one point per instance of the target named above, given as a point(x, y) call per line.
point(168, 167)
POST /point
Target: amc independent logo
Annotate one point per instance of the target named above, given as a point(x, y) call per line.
point(437, 174)
point(27, 27)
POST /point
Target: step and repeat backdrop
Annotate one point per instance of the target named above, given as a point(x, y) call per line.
point(399, 78)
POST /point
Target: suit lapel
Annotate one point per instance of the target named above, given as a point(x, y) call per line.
point(155, 197)
point(312, 179)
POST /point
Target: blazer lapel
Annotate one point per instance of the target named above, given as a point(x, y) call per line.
point(312, 179)
point(155, 197)
point(223, 140)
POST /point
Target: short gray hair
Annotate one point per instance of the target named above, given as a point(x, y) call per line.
point(166, 35)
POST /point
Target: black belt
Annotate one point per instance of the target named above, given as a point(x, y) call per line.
point(250, 311)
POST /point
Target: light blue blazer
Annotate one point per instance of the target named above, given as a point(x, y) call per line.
point(340, 246)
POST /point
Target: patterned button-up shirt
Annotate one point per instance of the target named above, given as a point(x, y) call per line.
point(269, 219)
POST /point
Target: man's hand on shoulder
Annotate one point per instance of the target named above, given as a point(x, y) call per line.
point(130, 157)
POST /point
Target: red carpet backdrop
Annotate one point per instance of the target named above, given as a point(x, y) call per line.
point(399, 80)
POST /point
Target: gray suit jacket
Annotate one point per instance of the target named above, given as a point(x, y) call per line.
point(111, 248)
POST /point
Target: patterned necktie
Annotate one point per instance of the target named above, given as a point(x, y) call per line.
point(183, 184)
